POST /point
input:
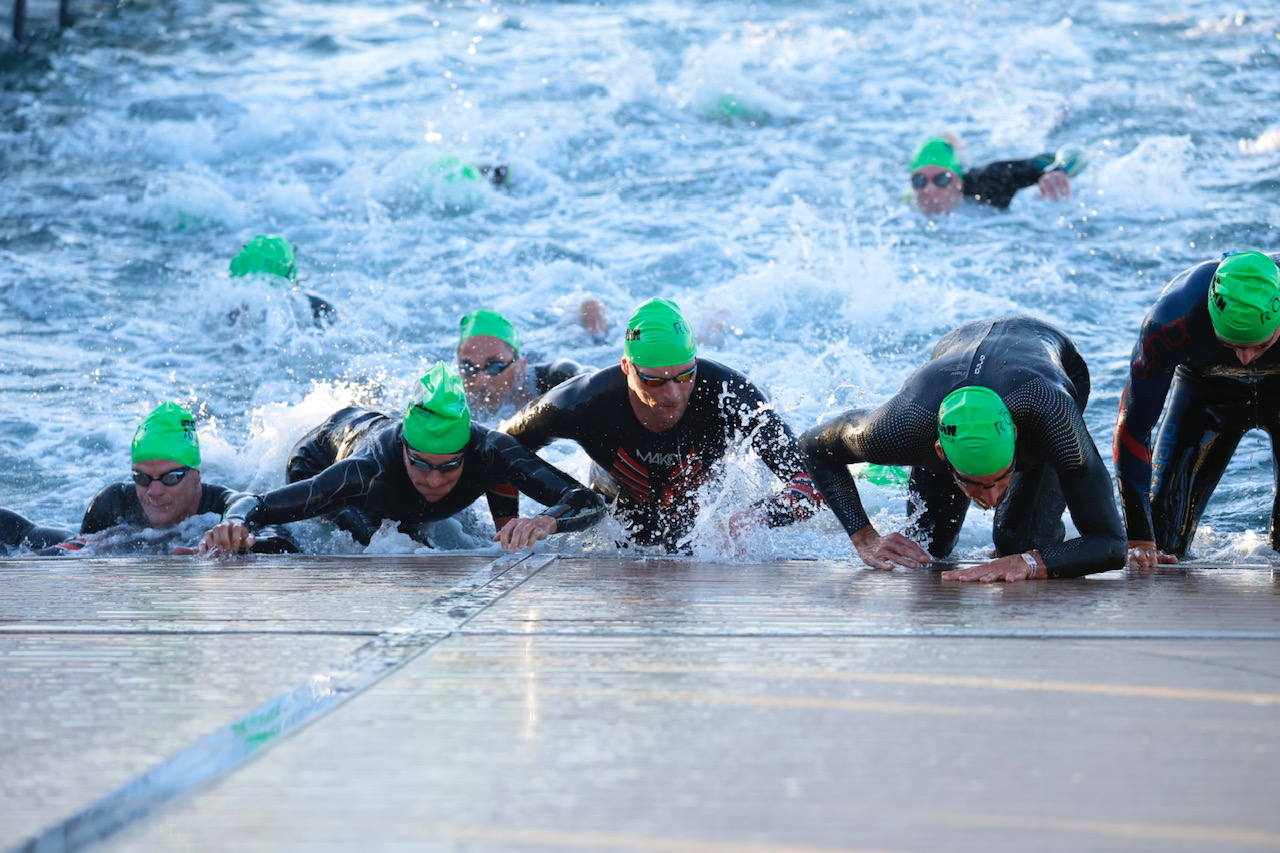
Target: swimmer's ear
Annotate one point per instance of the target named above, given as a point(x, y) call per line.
point(937, 448)
point(625, 363)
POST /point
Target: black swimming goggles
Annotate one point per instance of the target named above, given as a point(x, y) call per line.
point(920, 180)
point(424, 465)
point(493, 368)
point(168, 478)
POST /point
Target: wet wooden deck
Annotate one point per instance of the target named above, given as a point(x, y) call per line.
point(447, 703)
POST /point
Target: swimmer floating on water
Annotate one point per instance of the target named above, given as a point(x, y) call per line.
point(995, 417)
point(271, 259)
point(166, 490)
point(941, 183)
point(360, 467)
point(1212, 336)
point(493, 367)
point(19, 534)
point(657, 424)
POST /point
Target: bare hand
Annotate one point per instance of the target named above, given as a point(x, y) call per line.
point(1145, 556)
point(1010, 568)
point(1055, 185)
point(226, 538)
point(591, 315)
point(885, 552)
point(523, 532)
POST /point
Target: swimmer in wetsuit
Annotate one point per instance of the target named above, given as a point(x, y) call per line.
point(656, 426)
point(994, 417)
point(360, 467)
point(271, 259)
point(1211, 335)
point(494, 371)
point(941, 183)
point(166, 491)
point(19, 534)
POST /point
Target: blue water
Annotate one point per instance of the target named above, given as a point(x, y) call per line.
point(746, 160)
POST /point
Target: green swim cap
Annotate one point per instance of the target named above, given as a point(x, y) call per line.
point(438, 420)
point(975, 431)
point(451, 169)
point(169, 432)
point(1244, 299)
point(937, 151)
point(265, 255)
point(658, 336)
point(489, 323)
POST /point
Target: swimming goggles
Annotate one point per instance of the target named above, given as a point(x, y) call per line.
point(168, 478)
point(493, 368)
point(659, 381)
point(920, 180)
point(424, 465)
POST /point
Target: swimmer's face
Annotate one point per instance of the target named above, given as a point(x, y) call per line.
point(986, 491)
point(432, 485)
point(487, 391)
point(934, 200)
point(164, 505)
point(1249, 353)
point(666, 402)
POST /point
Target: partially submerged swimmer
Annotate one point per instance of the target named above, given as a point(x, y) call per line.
point(361, 467)
point(271, 259)
point(494, 370)
point(941, 183)
point(166, 490)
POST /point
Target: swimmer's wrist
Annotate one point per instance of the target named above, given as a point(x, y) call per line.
point(1038, 570)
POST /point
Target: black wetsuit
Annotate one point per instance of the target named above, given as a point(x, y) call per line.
point(117, 506)
point(653, 477)
point(1037, 371)
point(351, 469)
point(549, 374)
point(996, 183)
point(1215, 401)
point(19, 534)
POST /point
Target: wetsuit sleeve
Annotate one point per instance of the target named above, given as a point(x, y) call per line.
point(996, 183)
point(272, 539)
point(1160, 349)
point(18, 532)
point(776, 444)
point(534, 426)
point(1054, 428)
point(899, 432)
point(571, 504)
point(327, 491)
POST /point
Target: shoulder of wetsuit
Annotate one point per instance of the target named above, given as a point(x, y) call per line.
point(549, 374)
point(112, 505)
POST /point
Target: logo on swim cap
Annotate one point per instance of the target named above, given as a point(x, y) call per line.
point(976, 431)
point(658, 336)
point(1244, 298)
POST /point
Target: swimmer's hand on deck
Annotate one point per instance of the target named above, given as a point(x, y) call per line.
point(885, 552)
point(227, 538)
point(1010, 568)
point(1145, 556)
point(523, 532)
point(1055, 185)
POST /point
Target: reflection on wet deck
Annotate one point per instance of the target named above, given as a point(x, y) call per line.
point(606, 704)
